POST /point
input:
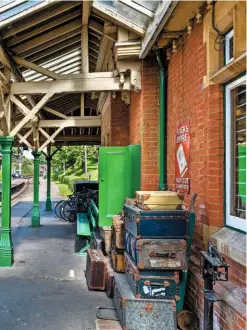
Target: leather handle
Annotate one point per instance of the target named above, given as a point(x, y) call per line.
point(164, 283)
point(167, 255)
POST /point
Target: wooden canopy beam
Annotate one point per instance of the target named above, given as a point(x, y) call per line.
point(87, 121)
point(86, 85)
point(75, 138)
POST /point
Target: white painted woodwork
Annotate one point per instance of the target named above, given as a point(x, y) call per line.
point(42, 29)
point(26, 12)
point(117, 19)
point(53, 34)
point(63, 7)
point(86, 85)
point(51, 138)
point(138, 7)
point(54, 112)
point(31, 113)
point(162, 14)
point(87, 121)
point(29, 65)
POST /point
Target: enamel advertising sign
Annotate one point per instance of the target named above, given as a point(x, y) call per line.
point(182, 158)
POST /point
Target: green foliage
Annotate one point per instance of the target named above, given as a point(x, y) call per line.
point(72, 160)
point(63, 189)
point(54, 177)
point(1, 175)
point(27, 166)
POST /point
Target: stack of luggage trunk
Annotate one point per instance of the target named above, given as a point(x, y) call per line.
point(155, 239)
point(145, 265)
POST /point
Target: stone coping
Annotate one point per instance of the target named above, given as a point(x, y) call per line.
point(231, 243)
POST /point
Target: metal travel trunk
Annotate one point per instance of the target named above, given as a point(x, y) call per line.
point(142, 314)
point(156, 224)
point(151, 284)
point(158, 200)
point(157, 253)
point(96, 270)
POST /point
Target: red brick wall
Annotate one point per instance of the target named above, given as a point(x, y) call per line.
point(144, 124)
point(119, 122)
point(115, 122)
point(189, 99)
point(106, 122)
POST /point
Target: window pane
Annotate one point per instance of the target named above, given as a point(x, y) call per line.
point(239, 152)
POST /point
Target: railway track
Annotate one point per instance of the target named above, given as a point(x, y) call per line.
point(28, 189)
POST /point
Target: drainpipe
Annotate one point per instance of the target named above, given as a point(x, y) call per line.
point(163, 127)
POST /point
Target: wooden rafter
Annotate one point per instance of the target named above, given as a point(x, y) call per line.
point(29, 65)
point(63, 7)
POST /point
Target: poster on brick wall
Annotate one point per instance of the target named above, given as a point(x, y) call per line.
point(182, 158)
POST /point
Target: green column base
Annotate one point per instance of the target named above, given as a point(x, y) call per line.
point(6, 249)
point(48, 206)
point(36, 217)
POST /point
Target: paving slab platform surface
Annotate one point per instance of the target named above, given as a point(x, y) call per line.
point(46, 289)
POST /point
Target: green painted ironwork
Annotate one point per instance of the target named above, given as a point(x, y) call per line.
point(163, 126)
point(6, 246)
point(36, 213)
point(48, 205)
point(184, 274)
point(86, 224)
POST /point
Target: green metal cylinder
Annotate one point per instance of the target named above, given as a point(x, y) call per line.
point(36, 213)
point(6, 246)
point(48, 206)
point(163, 127)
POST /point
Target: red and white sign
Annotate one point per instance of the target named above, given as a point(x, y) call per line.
point(182, 158)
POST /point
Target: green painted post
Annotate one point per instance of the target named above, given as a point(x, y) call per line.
point(6, 246)
point(36, 214)
point(48, 180)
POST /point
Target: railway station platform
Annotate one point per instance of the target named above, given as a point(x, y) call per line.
point(45, 289)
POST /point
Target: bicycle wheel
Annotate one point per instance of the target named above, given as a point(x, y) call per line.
point(58, 206)
point(67, 208)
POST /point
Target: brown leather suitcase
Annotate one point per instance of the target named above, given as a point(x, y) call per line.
point(96, 270)
point(118, 232)
point(109, 279)
point(106, 234)
point(117, 261)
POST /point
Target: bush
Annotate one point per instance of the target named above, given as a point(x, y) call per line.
point(27, 170)
point(54, 177)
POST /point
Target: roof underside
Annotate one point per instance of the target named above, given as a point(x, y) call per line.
point(49, 34)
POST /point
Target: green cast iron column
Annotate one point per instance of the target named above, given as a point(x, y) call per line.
point(163, 128)
point(36, 215)
point(6, 246)
point(48, 178)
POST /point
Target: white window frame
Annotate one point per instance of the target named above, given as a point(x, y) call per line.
point(231, 221)
point(228, 36)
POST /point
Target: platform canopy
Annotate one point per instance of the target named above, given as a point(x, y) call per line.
point(60, 59)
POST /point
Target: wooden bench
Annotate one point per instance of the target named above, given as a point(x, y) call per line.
point(86, 224)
